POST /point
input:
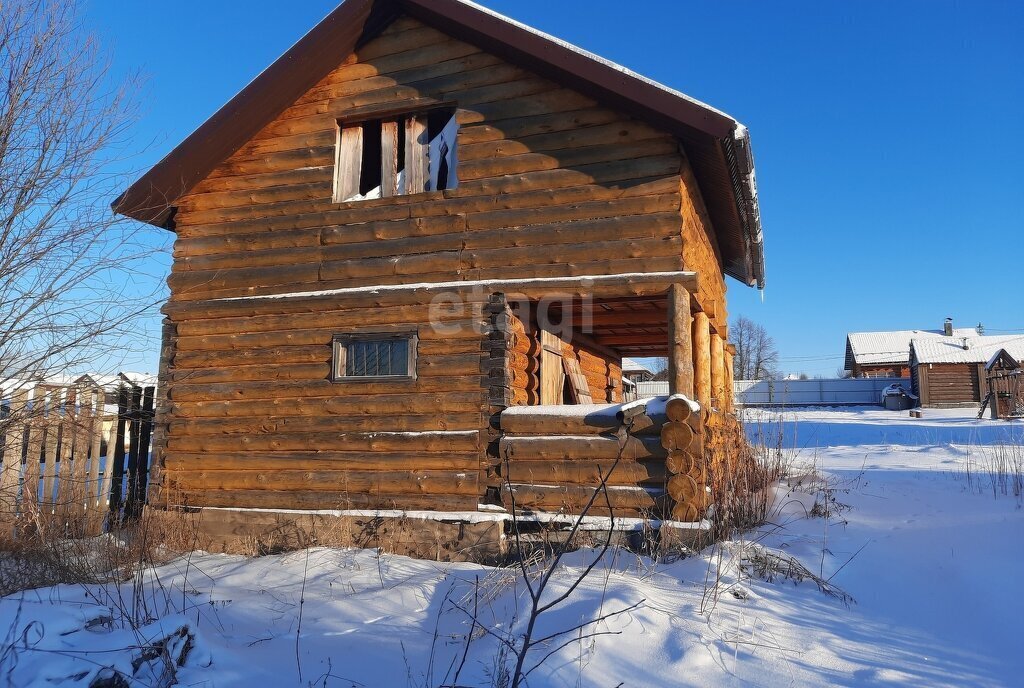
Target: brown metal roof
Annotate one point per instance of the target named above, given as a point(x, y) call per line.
point(717, 146)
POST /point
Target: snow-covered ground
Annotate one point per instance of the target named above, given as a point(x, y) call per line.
point(932, 562)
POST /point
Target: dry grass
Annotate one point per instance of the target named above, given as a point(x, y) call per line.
point(33, 557)
point(742, 475)
point(771, 565)
point(997, 469)
point(116, 571)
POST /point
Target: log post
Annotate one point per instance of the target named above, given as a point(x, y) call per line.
point(680, 343)
point(730, 386)
point(702, 358)
point(718, 372)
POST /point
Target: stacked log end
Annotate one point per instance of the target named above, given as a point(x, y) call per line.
point(683, 437)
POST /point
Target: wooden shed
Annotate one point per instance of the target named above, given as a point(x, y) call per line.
point(951, 371)
point(1004, 380)
point(422, 215)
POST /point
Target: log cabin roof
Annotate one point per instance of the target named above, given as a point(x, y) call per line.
point(892, 347)
point(717, 146)
point(966, 349)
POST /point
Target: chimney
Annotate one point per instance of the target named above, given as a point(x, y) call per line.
point(947, 327)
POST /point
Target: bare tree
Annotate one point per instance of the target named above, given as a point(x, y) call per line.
point(530, 650)
point(756, 356)
point(72, 280)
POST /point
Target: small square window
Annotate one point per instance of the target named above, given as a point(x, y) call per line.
point(395, 156)
point(374, 357)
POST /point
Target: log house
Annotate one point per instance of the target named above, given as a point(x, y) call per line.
point(410, 257)
point(954, 371)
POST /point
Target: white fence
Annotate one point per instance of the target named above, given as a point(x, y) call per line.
point(649, 389)
point(851, 392)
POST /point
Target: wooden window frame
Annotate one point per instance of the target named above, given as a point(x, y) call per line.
point(413, 117)
point(339, 353)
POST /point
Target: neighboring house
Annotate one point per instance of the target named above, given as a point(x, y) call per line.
point(635, 372)
point(887, 354)
point(111, 384)
point(369, 237)
point(950, 371)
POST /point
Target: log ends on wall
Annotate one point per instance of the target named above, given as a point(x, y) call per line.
point(706, 451)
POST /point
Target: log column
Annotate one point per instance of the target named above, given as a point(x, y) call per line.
point(680, 343)
point(730, 387)
point(718, 371)
point(702, 358)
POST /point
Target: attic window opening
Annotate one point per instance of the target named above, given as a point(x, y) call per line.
point(395, 156)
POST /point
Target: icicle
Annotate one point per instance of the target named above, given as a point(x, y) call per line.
point(762, 294)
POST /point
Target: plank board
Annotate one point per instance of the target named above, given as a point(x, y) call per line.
point(552, 373)
point(389, 159)
point(348, 163)
point(578, 387)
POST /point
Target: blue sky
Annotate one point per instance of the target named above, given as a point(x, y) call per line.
point(887, 135)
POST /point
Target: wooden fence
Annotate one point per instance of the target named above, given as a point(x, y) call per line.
point(75, 457)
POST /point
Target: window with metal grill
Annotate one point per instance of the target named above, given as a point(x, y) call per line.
point(374, 357)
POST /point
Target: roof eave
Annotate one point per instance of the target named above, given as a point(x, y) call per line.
point(151, 197)
point(745, 191)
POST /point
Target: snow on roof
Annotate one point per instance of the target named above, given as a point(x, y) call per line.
point(740, 130)
point(631, 366)
point(967, 349)
point(868, 348)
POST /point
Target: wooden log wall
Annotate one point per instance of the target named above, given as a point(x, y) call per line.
point(539, 166)
point(552, 461)
point(550, 184)
point(602, 369)
point(524, 362)
point(700, 249)
point(949, 384)
point(254, 420)
point(672, 459)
